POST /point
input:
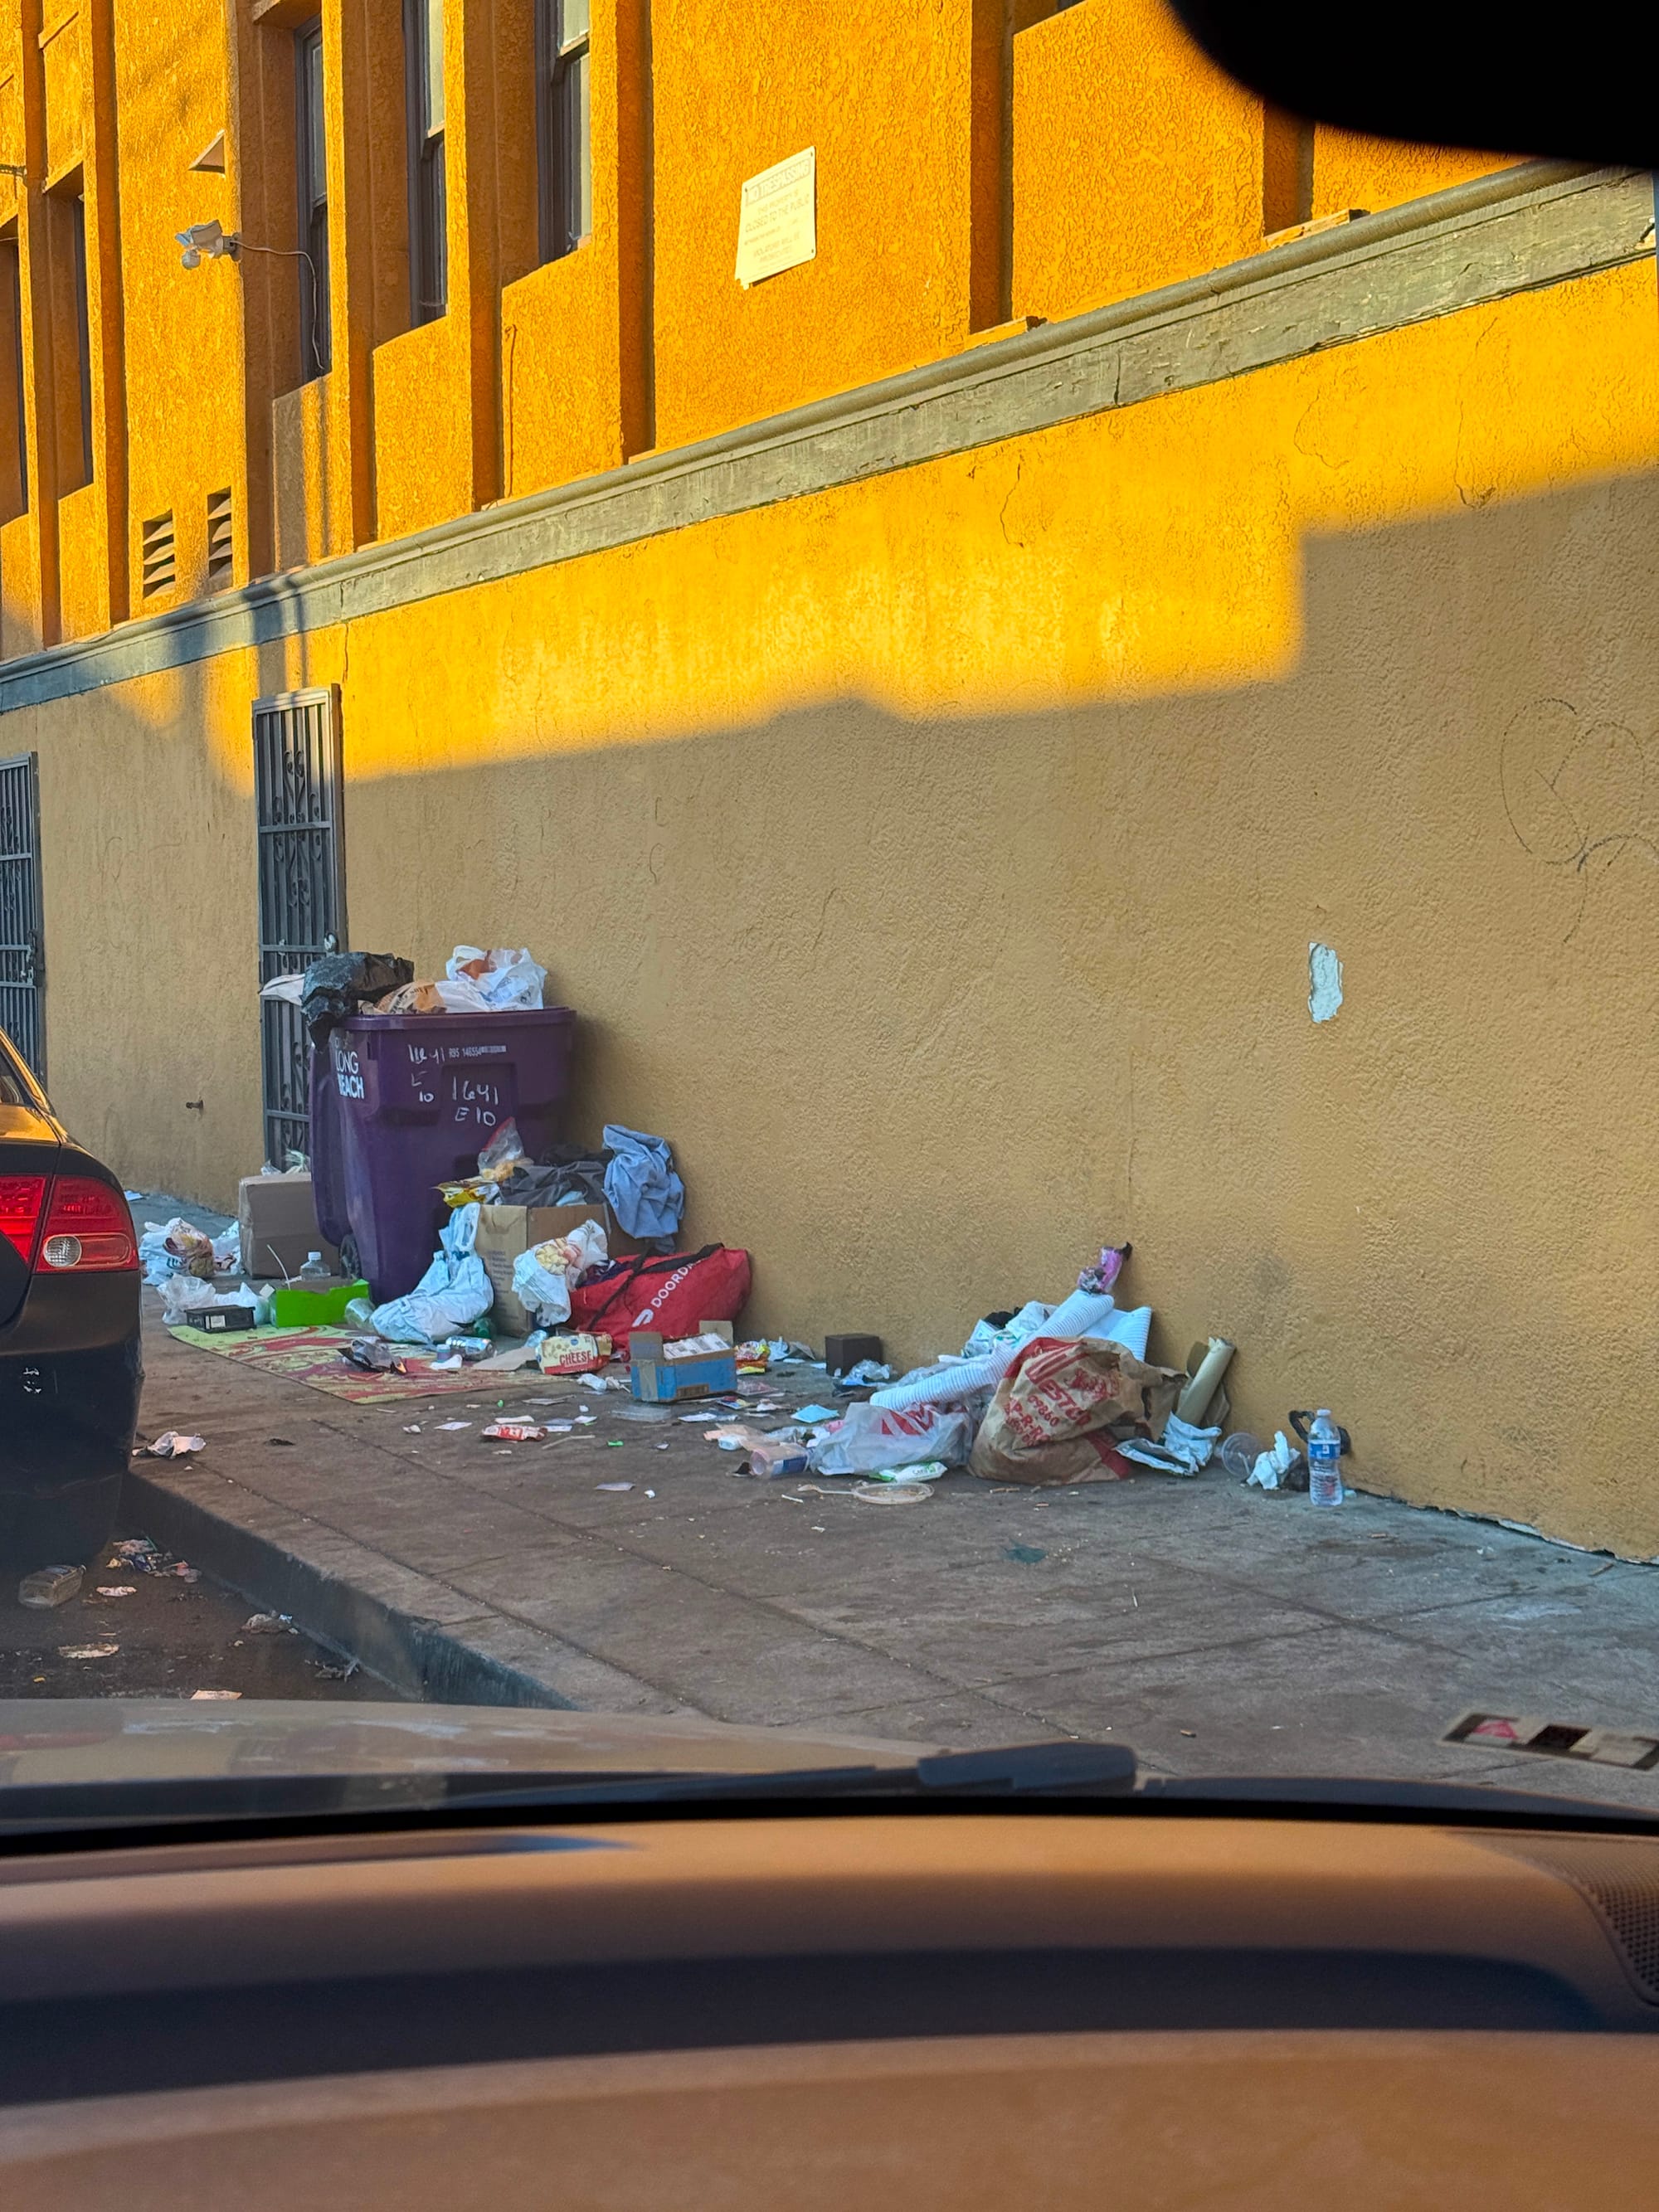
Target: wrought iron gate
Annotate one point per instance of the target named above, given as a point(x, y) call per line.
point(22, 975)
point(296, 780)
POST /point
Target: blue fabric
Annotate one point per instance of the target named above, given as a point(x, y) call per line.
point(641, 1186)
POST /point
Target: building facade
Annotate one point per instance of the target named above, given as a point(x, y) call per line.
point(924, 706)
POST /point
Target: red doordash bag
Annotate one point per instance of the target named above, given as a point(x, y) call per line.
point(673, 1293)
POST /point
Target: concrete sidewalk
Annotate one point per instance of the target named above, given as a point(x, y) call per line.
point(1214, 1630)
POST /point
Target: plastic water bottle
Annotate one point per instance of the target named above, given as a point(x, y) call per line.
point(313, 1270)
point(1324, 1461)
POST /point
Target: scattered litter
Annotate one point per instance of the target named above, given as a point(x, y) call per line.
point(615, 1443)
point(188, 1302)
point(613, 1486)
point(586, 1420)
point(926, 1470)
point(665, 1447)
point(411, 1428)
point(813, 1416)
point(865, 1374)
point(268, 1623)
point(114, 1590)
point(88, 1650)
point(1240, 1454)
point(869, 1438)
point(287, 1441)
point(454, 1290)
point(560, 1428)
point(203, 1697)
point(338, 1673)
point(641, 1186)
point(889, 1494)
point(454, 1424)
point(134, 1547)
point(1182, 1450)
point(1026, 1554)
point(453, 1365)
point(1276, 1468)
point(50, 1586)
point(702, 1416)
point(516, 1355)
point(650, 1493)
point(515, 1432)
point(170, 1444)
point(582, 1352)
point(601, 1382)
point(1064, 1406)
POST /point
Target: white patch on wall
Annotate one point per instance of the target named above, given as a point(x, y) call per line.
point(1324, 983)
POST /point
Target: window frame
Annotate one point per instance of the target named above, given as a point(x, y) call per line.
point(78, 222)
point(428, 179)
point(316, 322)
point(11, 252)
point(564, 135)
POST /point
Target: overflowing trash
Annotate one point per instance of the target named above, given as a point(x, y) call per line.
point(343, 983)
point(173, 1444)
point(544, 1276)
point(453, 1290)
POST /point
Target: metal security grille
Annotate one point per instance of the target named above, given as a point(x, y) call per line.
point(22, 976)
point(296, 780)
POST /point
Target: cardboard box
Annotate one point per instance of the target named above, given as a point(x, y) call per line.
point(277, 1217)
point(659, 1377)
point(505, 1231)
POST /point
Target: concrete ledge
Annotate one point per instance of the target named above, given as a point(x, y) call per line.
point(411, 1631)
point(1536, 224)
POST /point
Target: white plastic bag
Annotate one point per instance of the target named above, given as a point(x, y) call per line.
point(870, 1438)
point(175, 1248)
point(454, 1290)
point(506, 979)
point(544, 1276)
point(183, 1297)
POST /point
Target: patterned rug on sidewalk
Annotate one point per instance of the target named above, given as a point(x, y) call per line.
point(317, 1357)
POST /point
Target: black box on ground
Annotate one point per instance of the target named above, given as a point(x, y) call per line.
point(841, 1353)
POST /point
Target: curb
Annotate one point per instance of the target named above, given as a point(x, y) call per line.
point(336, 1603)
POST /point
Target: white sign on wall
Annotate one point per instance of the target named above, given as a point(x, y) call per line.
point(777, 223)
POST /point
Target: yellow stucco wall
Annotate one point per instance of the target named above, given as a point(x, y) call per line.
point(884, 95)
point(975, 822)
point(1101, 92)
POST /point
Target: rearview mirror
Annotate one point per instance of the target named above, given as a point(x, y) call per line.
point(1460, 73)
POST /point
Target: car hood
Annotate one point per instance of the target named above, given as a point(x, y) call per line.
point(78, 1740)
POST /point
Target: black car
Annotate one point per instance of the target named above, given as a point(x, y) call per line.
point(71, 1366)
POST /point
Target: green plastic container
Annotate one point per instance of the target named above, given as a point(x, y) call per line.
point(293, 1308)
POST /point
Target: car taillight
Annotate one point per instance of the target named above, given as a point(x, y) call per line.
point(21, 1198)
point(88, 1226)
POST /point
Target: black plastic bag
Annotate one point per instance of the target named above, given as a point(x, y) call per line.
point(341, 983)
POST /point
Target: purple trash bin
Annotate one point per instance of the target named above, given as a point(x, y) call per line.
point(402, 1103)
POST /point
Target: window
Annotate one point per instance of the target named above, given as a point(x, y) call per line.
point(428, 198)
point(156, 545)
point(14, 439)
point(77, 209)
point(564, 149)
point(316, 336)
point(220, 541)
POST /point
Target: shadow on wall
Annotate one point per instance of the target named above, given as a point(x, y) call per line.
point(932, 1009)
